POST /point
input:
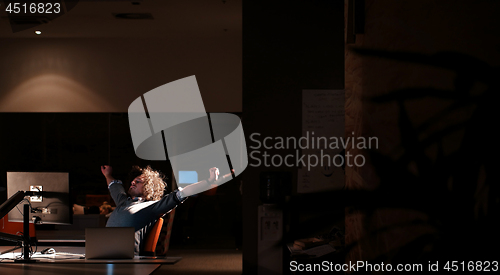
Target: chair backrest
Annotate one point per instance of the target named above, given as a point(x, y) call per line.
point(166, 231)
point(158, 239)
point(14, 227)
point(153, 236)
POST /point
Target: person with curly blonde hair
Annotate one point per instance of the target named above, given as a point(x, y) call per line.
point(153, 183)
point(146, 201)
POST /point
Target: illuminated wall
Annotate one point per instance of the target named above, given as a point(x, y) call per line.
point(107, 74)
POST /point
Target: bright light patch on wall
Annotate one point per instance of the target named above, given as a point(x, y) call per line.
point(52, 93)
point(38, 32)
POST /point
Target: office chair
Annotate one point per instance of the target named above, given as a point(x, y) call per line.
point(158, 238)
point(14, 227)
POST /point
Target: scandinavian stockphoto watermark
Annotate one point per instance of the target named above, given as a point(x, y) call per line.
point(316, 150)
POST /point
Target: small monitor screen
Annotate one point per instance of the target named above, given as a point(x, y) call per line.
point(187, 177)
point(52, 207)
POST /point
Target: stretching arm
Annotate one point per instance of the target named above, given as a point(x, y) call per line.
point(204, 185)
point(107, 171)
point(116, 190)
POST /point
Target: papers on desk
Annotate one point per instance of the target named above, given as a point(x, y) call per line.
point(75, 258)
point(39, 256)
point(315, 252)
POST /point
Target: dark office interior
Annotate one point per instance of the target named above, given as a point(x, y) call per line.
point(418, 75)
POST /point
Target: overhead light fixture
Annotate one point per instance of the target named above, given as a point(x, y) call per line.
point(38, 32)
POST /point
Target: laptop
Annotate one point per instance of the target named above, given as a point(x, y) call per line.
point(109, 243)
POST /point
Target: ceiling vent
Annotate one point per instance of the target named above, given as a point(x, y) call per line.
point(29, 20)
point(137, 16)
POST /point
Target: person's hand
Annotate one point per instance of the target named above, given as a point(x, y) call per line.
point(214, 174)
point(107, 171)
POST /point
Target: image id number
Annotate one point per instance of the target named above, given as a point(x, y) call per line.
point(38, 8)
point(471, 266)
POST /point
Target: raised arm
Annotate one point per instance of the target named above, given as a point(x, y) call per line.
point(116, 190)
point(204, 185)
point(107, 171)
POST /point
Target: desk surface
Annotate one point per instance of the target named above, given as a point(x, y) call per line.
point(61, 236)
point(77, 269)
point(67, 260)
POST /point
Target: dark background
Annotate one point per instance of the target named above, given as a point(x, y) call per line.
point(421, 76)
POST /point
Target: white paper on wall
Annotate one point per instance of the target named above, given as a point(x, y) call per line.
point(323, 122)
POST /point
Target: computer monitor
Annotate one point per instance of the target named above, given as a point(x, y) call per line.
point(187, 177)
point(52, 206)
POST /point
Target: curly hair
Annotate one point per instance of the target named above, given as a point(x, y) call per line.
point(154, 184)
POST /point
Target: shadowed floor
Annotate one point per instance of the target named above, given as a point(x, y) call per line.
point(204, 261)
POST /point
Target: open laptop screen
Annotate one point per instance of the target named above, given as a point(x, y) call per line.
point(109, 243)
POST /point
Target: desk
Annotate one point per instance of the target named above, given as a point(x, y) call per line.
point(71, 264)
point(77, 269)
point(60, 236)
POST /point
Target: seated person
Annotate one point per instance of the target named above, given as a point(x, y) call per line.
point(105, 209)
point(146, 201)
